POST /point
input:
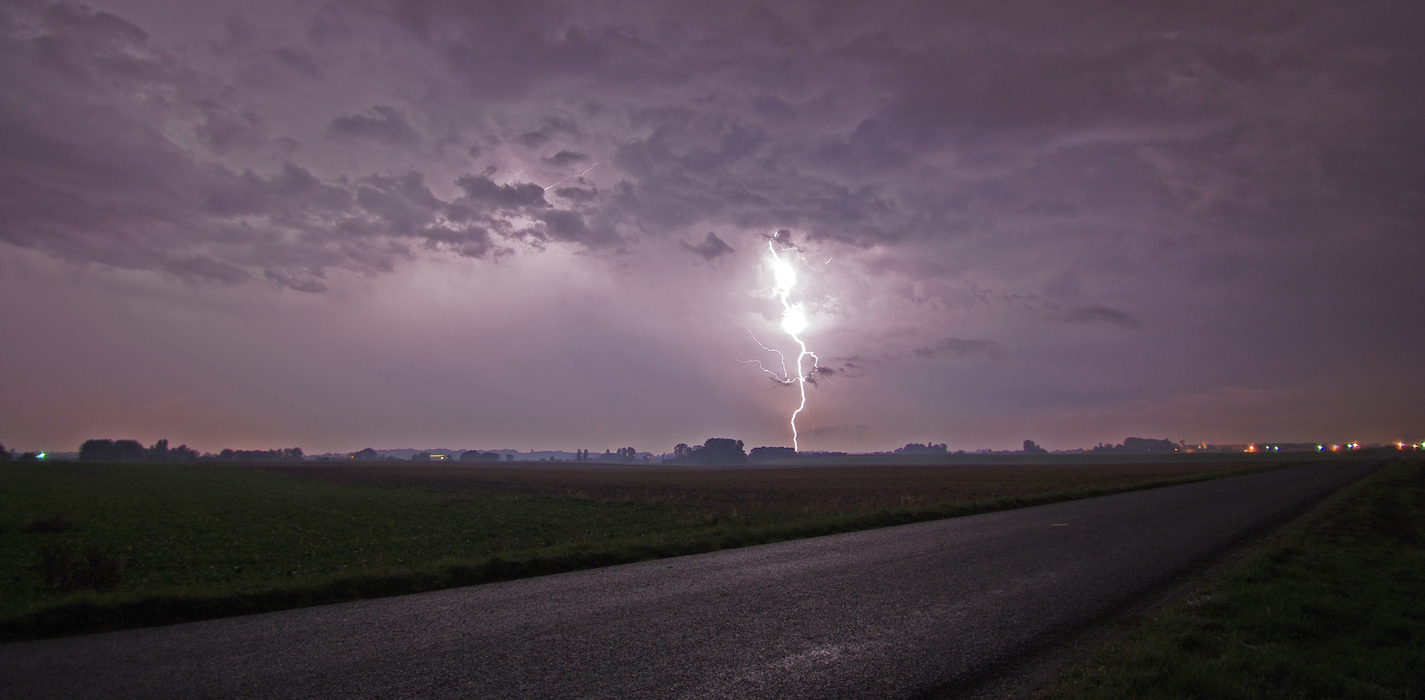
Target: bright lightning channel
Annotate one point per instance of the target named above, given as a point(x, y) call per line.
point(794, 321)
point(586, 172)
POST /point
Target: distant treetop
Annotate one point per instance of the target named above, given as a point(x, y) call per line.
point(106, 450)
point(916, 448)
point(759, 454)
point(1140, 446)
point(713, 452)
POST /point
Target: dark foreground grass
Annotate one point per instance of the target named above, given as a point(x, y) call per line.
point(1334, 610)
point(88, 548)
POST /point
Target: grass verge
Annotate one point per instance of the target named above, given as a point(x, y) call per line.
point(1333, 610)
point(199, 543)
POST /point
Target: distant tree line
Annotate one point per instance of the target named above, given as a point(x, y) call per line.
point(286, 454)
point(915, 448)
point(761, 454)
point(622, 454)
point(107, 450)
point(1140, 446)
point(7, 455)
point(713, 452)
point(478, 456)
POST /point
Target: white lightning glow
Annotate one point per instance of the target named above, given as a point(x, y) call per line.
point(794, 321)
point(586, 172)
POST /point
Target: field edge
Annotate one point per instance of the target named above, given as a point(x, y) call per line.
point(1203, 641)
point(89, 613)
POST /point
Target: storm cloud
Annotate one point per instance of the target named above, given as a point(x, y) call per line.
point(1106, 192)
point(710, 248)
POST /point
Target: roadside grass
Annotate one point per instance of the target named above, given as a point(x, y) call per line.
point(88, 547)
point(1333, 610)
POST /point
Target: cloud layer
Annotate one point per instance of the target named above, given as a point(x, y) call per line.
point(1040, 210)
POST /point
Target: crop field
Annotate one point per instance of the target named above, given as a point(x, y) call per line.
point(87, 547)
point(764, 493)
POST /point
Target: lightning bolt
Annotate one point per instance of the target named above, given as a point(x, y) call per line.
point(794, 321)
point(586, 172)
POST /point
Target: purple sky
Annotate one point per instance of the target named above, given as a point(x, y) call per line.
point(544, 225)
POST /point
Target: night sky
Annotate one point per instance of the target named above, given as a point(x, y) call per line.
point(542, 225)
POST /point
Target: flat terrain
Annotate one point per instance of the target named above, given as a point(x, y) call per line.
point(922, 610)
point(772, 492)
point(88, 547)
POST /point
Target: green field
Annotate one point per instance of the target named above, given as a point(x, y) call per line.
point(89, 547)
point(1335, 609)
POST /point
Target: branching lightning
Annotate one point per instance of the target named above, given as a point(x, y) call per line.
point(586, 172)
point(794, 321)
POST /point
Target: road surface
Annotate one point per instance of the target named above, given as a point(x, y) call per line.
point(928, 610)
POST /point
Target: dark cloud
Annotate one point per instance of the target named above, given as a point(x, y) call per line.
point(226, 131)
point(1025, 170)
point(301, 281)
point(710, 249)
point(204, 268)
point(551, 128)
point(483, 190)
point(298, 60)
point(1094, 314)
point(470, 242)
point(959, 348)
point(384, 124)
point(852, 367)
point(404, 203)
point(563, 158)
point(571, 227)
point(822, 372)
point(977, 131)
point(565, 225)
point(577, 194)
point(506, 50)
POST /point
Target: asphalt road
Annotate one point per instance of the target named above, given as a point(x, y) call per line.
point(934, 609)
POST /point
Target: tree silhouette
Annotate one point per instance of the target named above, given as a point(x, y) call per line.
point(764, 453)
point(1137, 445)
point(715, 451)
point(106, 450)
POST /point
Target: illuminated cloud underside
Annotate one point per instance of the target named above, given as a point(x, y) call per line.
point(423, 223)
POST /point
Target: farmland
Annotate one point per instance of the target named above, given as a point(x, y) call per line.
point(767, 493)
point(105, 546)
